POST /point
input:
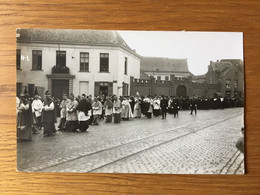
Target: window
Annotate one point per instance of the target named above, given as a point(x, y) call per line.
point(84, 62)
point(61, 58)
point(158, 78)
point(125, 65)
point(104, 58)
point(36, 59)
point(166, 78)
point(228, 84)
point(18, 59)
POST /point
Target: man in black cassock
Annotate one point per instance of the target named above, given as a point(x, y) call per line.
point(164, 105)
point(49, 115)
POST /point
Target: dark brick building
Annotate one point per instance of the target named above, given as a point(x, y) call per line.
point(230, 74)
point(224, 78)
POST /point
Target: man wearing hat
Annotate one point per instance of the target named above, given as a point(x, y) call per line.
point(49, 115)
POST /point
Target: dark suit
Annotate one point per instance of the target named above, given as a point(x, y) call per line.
point(164, 105)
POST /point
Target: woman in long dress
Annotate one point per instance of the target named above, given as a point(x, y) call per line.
point(24, 123)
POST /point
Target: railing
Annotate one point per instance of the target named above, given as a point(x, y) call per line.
point(60, 69)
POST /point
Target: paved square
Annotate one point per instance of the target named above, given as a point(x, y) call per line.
point(195, 144)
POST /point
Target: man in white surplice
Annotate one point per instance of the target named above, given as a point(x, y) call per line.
point(37, 110)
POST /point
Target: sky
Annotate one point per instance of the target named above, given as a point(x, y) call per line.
point(198, 47)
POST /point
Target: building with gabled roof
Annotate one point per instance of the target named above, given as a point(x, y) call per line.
point(164, 68)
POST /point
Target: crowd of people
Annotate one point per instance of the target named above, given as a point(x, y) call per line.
point(77, 113)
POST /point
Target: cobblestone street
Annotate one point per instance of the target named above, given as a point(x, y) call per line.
point(195, 144)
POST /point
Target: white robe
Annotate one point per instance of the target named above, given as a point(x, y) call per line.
point(37, 106)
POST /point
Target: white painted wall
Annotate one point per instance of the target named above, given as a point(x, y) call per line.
point(116, 65)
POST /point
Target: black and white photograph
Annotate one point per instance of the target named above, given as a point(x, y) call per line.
point(112, 101)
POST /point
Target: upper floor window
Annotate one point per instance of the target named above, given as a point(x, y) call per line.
point(104, 62)
point(125, 65)
point(166, 78)
point(158, 78)
point(84, 61)
point(228, 84)
point(61, 58)
point(36, 59)
point(18, 59)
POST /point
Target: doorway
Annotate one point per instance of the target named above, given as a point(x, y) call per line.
point(181, 91)
point(103, 90)
point(60, 86)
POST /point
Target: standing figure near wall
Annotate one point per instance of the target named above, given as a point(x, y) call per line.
point(63, 111)
point(117, 110)
point(97, 111)
point(24, 120)
point(49, 115)
point(72, 117)
point(108, 105)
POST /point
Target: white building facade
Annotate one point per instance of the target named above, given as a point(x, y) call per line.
point(94, 63)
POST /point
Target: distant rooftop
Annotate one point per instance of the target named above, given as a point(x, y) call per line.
point(226, 63)
point(91, 37)
point(164, 64)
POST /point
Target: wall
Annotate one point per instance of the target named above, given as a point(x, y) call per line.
point(154, 87)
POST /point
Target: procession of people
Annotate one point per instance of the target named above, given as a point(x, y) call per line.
point(77, 113)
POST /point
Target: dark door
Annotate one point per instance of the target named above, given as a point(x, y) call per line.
point(125, 89)
point(18, 89)
point(103, 90)
point(31, 90)
point(60, 86)
point(181, 91)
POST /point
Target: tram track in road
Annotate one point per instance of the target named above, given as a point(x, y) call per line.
point(143, 142)
point(168, 141)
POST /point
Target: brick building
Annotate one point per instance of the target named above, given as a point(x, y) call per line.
point(224, 78)
point(230, 74)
